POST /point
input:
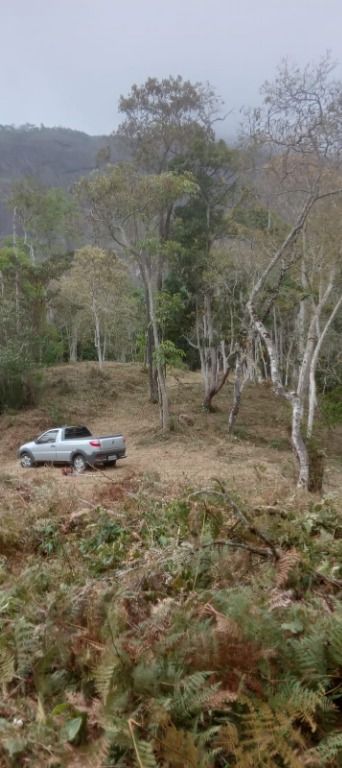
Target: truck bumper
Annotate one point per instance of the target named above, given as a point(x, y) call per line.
point(105, 458)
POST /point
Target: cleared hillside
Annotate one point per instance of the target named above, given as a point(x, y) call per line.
point(179, 611)
point(257, 459)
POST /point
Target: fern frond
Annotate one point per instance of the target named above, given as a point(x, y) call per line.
point(190, 694)
point(335, 641)
point(6, 667)
point(329, 748)
point(224, 624)
point(179, 749)
point(264, 738)
point(104, 676)
point(280, 599)
point(26, 645)
point(299, 703)
point(146, 754)
point(285, 564)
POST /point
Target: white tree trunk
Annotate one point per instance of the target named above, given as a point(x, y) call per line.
point(73, 339)
point(295, 398)
point(162, 391)
point(241, 378)
point(215, 365)
point(97, 335)
point(17, 281)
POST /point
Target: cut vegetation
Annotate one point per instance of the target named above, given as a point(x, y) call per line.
point(180, 611)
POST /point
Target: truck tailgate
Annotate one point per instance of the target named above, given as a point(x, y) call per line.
point(112, 442)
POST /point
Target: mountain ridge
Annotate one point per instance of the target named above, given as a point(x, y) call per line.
point(56, 156)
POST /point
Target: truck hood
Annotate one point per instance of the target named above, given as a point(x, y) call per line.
point(27, 446)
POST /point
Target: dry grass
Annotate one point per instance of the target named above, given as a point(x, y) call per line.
point(257, 462)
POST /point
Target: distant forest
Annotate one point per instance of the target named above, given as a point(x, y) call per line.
point(57, 157)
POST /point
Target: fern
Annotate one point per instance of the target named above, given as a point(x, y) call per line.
point(105, 675)
point(263, 738)
point(26, 643)
point(146, 754)
point(286, 563)
point(191, 693)
point(300, 703)
point(335, 641)
point(309, 657)
point(6, 667)
point(329, 748)
point(179, 749)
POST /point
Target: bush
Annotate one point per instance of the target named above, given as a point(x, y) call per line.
point(20, 382)
point(331, 405)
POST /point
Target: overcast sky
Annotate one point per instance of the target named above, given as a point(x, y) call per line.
point(66, 62)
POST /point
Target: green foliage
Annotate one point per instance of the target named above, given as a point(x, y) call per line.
point(331, 405)
point(104, 543)
point(46, 215)
point(165, 116)
point(168, 354)
point(20, 381)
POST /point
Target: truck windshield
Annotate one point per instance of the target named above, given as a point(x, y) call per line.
point(70, 433)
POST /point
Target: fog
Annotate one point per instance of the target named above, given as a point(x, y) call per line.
point(66, 62)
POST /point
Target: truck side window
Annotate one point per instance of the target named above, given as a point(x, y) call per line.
point(70, 433)
point(49, 437)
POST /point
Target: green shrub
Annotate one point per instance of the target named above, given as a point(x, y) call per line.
point(331, 405)
point(20, 381)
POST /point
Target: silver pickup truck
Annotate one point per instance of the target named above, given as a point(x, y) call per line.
point(72, 445)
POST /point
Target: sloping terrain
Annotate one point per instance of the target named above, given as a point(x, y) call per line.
point(257, 459)
point(179, 611)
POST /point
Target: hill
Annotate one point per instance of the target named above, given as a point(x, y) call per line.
point(55, 156)
point(179, 611)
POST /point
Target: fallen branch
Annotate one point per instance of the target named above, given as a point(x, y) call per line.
point(238, 512)
point(238, 545)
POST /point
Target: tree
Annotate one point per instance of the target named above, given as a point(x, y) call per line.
point(45, 217)
point(128, 207)
point(163, 117)
point(200, 227)
point(300, 127)
point(95, 293)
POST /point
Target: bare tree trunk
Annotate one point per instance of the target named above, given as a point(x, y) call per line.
point(295, 398)
point(298, 444)
point(301, 320)
point(209, 350)
point(17, 279)
point(73, 345)
point(152, 378)
point(162, 391)
point(239, 383)
point(97, 334)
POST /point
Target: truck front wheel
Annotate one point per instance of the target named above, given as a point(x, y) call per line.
point(79, 463)
point(26, 460)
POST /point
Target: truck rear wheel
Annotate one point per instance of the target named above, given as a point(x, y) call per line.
point(79, 463)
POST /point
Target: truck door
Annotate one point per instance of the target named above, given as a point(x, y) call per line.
point(45, 446)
